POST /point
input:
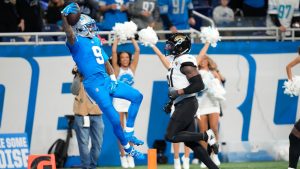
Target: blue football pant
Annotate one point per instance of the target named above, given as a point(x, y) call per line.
point(131, 94)
point(99, 92)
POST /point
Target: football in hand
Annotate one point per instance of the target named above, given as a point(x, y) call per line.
point(73, 18)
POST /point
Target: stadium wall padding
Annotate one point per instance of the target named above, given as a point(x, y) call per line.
point(35, 96)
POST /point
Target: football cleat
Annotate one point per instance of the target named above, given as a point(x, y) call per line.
point(134, 153)
point(215, 148)
point(211, 140)
point(131, 138)
point(215, 159)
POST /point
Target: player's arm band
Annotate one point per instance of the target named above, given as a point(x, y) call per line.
point(196, 85)
point(275, 20)
point(166, 20)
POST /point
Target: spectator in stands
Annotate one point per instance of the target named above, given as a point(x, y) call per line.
point(125, 67)
point(223, 15)
point(88, 123)
point(281, 14)
point(31, 12)
point(144, 13)
point(176, 16)
point(89, 7)
point(204, 7)
point(114, 11)
point(9, 17)
point(53, 14)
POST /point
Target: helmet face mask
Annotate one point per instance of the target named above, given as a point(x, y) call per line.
point(177, 44)
point(169, 47)
point(85, 27)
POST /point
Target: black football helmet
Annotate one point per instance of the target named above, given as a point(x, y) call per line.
point(178, 44)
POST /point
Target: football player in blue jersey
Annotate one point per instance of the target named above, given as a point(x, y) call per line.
point(176, 14)
point(99, 79)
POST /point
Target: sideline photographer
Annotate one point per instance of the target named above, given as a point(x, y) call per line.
point(88, 123)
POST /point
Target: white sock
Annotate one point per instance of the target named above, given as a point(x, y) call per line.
point(126, 146)
point(129, 129)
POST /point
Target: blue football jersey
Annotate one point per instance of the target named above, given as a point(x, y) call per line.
point(111, 17)
point(89, 56)
point(177, 11)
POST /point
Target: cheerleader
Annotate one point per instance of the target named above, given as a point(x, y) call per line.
point(294, 137)
point(124, 66)
point(208, 112)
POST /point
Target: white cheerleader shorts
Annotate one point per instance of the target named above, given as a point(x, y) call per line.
point(121, 105)
point(207, 104)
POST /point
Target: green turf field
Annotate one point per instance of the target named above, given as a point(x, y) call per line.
point(252, 165)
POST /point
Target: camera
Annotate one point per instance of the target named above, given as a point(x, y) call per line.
point(168, 106)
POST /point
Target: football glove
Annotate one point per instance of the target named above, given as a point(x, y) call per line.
point(72, 8)
point(113, 83)
point(173, 93)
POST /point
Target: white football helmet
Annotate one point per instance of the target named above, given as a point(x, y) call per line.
point(85, 27)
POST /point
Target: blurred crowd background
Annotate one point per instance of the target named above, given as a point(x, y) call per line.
point(173, 15)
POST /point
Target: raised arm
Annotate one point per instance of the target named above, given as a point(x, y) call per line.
point(290, 65)
point(136, 55)
point(115, 56)
point(162, 57)
point(202, 53)
point(70, 9)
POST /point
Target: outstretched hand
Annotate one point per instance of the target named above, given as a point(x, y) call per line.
point(113, 86)
point(72, 8)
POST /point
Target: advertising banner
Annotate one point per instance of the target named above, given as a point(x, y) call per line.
point(35, 96)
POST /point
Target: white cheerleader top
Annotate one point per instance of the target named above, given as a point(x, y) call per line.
point(126, 75)
point(212, 84)
point(207, 76)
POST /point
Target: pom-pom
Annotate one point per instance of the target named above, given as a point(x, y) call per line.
point(216, 89)
point(125, 30)
point(213, 85)
point(292, 87)
point(148, 36)
point(210, 35)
